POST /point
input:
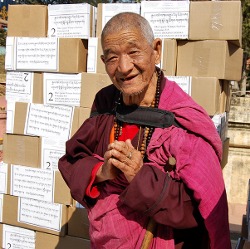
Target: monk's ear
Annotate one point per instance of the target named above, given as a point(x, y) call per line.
point(157, 45)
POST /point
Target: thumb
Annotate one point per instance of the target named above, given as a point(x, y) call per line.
point(128, 142)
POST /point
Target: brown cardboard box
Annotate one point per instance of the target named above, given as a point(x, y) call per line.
point(21, 110)
point(64, 55)
point(16, 83)
point(27, 20)
point(78, 222)
point(209, 58)
point(206, 91)
point(73, 55)
point(91, 84)
point(22, 150)
point(61, 191)
point(169, 56)
point(83, 114)
point(1, 234)
point(216, 20)
point(38, 88)
point(11, 211)
point(225, 97)
point(49, 241)
point(225, 153)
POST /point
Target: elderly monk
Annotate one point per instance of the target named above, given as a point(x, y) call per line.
point(147, 153)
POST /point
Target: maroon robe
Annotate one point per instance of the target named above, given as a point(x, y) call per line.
point(152, 193)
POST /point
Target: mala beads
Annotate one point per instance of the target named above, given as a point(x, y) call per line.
point(148, 131)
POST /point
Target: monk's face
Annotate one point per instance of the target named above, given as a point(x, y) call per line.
point(130, 60)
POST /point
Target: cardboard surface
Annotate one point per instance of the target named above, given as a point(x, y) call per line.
point(38, 88)
point(91, 84)
point(10, 217)
point(225, 153)
point(27, 20)
point(22, 150)
point(49, 241)
point(73, 55)
point(216, 20)
point(206, 92)
point(209, 58)
point(61, 190)
point(78, 222)
point(169, 56)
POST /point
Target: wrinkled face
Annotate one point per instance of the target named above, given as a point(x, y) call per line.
point(130, 60)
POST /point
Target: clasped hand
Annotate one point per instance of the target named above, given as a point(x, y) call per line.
point(120, 156)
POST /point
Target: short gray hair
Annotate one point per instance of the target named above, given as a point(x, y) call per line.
point(126, 20)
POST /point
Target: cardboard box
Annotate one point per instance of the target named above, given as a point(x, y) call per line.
point(49, 120)
point(16, 237)
point(62, 55)
point(91, 84)
point(94, 62)
point(216, 20)
point(59, 189)
point(1, 234)
point(83, 114)
point(169, 56)
point(24, 87)
point(13, 212)
point(73, 55)
point(225, 97)
point(27, 20)
point(78, 222)
point(225, 153)
point(209, 58)
point(49, 241)
point(205, 91)
point(22, 150)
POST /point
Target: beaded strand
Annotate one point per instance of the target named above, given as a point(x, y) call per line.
point(148, 131)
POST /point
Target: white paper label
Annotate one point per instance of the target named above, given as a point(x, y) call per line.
point(168, 19)
point(52, 151)
point(10, 116)
point(1, 207)
point(62, 89)
point(19, 86)
point(69, 20)
point(3, 177)
point(40, 213)
point(49, 121)
point(10, 53)
point(32, 183)
point(18, 238)
point(111, 9)
point(185, 82)
point(92, 55)
point(36, 54)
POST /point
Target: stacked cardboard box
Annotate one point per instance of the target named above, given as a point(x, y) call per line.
point(49, 94)
point(53, 73)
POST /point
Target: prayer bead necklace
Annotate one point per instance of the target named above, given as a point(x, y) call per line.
point(148, 131)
